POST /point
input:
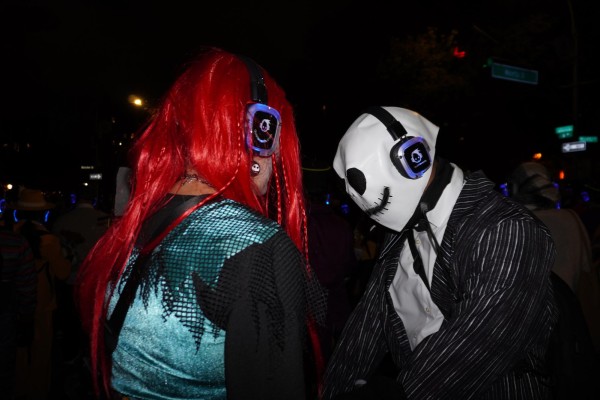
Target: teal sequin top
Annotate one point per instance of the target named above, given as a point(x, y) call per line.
point(223, 268)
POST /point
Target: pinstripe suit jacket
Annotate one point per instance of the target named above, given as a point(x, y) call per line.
point(491, 281)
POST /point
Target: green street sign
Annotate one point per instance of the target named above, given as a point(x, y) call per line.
point(563, 129)
point(564, 132)
point(588, 139)
point(516, 74)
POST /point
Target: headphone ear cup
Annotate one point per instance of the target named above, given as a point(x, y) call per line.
point(263, 123)
point(411, 157)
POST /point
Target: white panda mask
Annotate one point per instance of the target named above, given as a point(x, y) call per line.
point(384, 175)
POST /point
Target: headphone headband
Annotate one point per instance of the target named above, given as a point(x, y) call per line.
point(258, 90)
point(393, 126)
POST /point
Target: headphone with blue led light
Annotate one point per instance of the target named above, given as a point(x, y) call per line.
point(263, 123)
point(410, 155)
point(45, 218)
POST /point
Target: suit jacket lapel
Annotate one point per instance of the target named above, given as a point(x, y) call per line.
point(445, 282)
point(397, 338)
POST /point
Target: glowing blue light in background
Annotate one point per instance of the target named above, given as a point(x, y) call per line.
point(585, 196)
point(345, 209)
point(558, 205)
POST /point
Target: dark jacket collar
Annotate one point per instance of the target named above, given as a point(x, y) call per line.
point(476, 184)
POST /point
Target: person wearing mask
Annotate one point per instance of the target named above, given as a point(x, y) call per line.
point(208, 260)
point(460, 298)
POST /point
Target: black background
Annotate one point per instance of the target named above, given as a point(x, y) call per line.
point(69, 67)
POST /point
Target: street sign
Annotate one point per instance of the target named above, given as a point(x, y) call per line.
point(573, 146)
point(588, 139)
point(564, 132)
point(516, 74)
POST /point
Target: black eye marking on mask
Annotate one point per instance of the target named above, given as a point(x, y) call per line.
point(384, 201)
point(357, 180)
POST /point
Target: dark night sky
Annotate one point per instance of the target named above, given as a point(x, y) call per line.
point(69, 66)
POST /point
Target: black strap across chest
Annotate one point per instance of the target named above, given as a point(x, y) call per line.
point(114, 324)
point(418, 261)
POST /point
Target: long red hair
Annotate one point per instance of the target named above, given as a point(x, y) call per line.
point(199, 126)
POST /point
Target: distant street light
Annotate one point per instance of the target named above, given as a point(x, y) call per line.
point(136, 101)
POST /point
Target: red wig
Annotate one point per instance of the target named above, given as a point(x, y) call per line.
point(199, 126)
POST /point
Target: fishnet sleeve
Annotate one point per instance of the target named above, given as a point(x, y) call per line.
point(262, 299)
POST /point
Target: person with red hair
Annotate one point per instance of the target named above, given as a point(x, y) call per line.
point(210, 254)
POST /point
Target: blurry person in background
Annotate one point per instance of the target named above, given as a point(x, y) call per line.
point(79, 228)
point(34, 362)
point(202, 284)
point(18, 292)
point(531, 184)
point(331, 251)
point(573, 352)
point(367, 238)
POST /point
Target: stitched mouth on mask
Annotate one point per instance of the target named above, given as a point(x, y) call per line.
point(383, 202)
